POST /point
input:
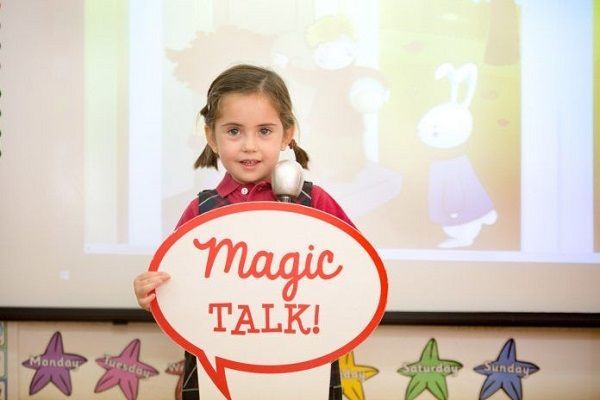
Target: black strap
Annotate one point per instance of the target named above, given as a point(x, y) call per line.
point(335, 382)
point(191, 391)
point(305, 196)
point(209, 200)
point(189, 388)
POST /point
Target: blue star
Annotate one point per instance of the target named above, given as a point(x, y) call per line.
point(505, 373)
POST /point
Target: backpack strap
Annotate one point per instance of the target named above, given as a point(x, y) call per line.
point(335, 382)
point(305, 196)
point(210, 199)
point(189, 387)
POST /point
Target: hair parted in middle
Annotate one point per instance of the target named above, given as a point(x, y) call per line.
point(248, 79)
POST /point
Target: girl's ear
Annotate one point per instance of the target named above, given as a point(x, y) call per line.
point(210, 138)
point(288, 135)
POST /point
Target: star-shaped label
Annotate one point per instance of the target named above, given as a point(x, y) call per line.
point(53, 366)
point(353, 376)
point(429, 373)
point(176, 368)
point(124, 370)
point(505, 373)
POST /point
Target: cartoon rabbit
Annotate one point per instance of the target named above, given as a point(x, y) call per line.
point(457, 199)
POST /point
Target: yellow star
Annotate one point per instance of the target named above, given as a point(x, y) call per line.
point(353, 376)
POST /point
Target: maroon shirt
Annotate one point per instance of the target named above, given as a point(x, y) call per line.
point(236, 192)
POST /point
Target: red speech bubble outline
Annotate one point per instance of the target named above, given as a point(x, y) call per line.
point(217, 373)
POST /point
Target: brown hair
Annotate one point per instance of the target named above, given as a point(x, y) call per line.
point(248, 79)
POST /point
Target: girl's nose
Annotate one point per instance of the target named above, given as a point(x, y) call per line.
point(249, 143)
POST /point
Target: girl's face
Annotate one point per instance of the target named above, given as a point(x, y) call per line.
point(248, 136)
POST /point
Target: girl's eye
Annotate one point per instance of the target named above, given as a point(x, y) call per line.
point(265, 131)
point(233, 131)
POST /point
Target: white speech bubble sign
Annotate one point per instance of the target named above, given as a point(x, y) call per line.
point(268, 287)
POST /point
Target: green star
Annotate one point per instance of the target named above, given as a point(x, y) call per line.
point(429, 373)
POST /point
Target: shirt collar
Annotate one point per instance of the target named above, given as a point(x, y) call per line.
point(229, 185)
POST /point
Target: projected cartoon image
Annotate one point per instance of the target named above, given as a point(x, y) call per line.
point(357, 90)
point(327, 70)
point(190, 66)
point(502, 46)
point(343, 114)
point(361, 85)
point(362, 80)
point(458, 202)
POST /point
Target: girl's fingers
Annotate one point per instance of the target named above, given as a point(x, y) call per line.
point(151, 276)
point(145, 283)
point(156, 280)
point(148, 287)
point(145, 302)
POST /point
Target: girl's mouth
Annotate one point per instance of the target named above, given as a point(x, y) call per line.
point(249, 163)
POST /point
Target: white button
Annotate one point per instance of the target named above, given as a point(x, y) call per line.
point(244, 191)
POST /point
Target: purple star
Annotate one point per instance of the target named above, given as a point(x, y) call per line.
point(126, 370)
point(505, 373)
point(53, 366)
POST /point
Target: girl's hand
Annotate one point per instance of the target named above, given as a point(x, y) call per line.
point(144, 285)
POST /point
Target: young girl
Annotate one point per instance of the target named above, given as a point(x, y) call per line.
point(248, 122)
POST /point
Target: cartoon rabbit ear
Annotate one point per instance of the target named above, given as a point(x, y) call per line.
point(467, 72)
point(447, 70)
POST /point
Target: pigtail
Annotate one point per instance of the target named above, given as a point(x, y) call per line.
point(301, 155)
point(207, 159)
